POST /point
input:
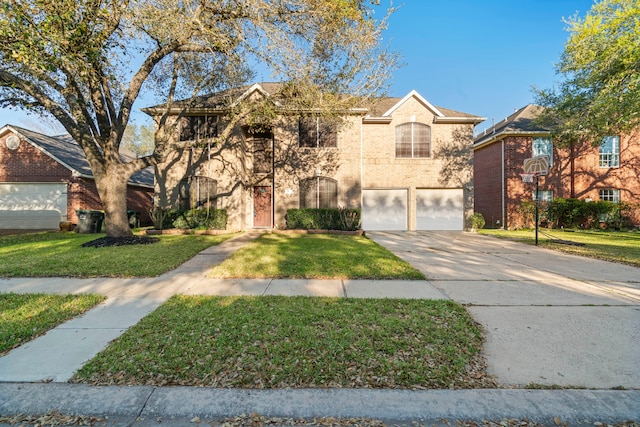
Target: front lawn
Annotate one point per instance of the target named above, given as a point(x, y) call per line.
point(59, 254)
point(622, 246)
point(26, 316)
point(299, 342)
point(315, 256)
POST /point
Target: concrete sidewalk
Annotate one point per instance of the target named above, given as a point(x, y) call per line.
point(550, 320)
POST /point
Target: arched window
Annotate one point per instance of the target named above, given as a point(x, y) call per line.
point(318, 192)
point(413, 140)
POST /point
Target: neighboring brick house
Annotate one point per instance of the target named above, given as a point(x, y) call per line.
point(386, 159)
point(587, 172)
point(44, 179)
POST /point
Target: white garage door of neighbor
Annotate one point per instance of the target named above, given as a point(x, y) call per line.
point(440, 209)
point(384, 209)
point(33, 206)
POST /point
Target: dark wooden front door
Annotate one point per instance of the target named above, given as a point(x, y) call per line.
point(262, 206)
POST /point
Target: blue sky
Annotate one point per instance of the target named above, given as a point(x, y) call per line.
point(477, 56)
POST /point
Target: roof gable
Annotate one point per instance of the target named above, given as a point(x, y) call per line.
point(383, 109)
point(420, 98)
point(66, 151)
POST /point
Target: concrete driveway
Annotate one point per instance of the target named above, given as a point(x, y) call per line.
point(550, 318)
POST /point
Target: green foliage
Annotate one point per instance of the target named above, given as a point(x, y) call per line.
point(616, 246)
point(277, 342)
point(61, 255)
point(344, 219)
point(315, 256)
point(25, 316)
point(476, 221)
point(600, 94)
point(196, 219)
point(577, 213)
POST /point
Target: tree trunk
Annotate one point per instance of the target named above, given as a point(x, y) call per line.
point(112, 187)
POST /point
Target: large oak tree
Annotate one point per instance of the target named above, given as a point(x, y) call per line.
point(85, 62)
point(599, 94)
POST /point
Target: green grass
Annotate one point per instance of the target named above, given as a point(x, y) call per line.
point(315, 256)
point(280, 342)
point(26, 316)
point(622, 247)
point(60, 254)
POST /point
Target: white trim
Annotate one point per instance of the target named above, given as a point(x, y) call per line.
point(256, 87)
point(414, 94)
point(74, 172)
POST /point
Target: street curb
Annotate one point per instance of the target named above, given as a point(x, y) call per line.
point(400, 406)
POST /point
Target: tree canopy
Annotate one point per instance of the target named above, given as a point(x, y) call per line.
point(85, 62)
point(600, 91)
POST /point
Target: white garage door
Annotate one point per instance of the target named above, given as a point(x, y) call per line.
point(34, 206)
point(384, 209)
point(439, 209)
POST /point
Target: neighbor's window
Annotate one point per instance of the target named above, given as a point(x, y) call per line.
point(610, 152)
point(543, 195)
point(543, 147)
point(413, 140)
point(610, 195)
point(314, 132)
point(318, 192)
point(195, 128)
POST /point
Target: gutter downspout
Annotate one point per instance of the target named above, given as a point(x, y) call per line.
point(361, 172)
point(503, 196)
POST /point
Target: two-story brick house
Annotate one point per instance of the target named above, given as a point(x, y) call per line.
point(383, 158)
point(45, 179)
point(605, 172)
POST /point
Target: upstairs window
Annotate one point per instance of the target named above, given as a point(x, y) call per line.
point(318, 192)
point(610, 195)
point(542, 147)
point(262, 143)
point(610, 152)
point(413, 140)
point(195, 128)
point(314, 132)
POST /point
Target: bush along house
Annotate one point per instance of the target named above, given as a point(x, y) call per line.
point(400, 163)
point(599, 183)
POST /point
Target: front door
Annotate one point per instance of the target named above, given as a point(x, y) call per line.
point(262, 206)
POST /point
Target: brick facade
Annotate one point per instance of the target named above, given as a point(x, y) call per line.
point(29, 164)
point(364, 157)
point(575, 173)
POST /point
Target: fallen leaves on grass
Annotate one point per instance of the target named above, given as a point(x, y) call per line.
point(300, 342)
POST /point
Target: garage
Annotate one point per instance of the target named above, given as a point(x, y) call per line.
point(439, 209)
point(33, 206)
point(384, 209)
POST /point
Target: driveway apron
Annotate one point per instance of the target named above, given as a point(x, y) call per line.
point(550, 318)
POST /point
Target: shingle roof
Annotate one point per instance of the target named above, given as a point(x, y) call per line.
point(65, 150)
point(521, 122)
point(222, 99)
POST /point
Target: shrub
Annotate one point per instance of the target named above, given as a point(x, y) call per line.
point(323, 219)
point(196, 219)
point(576, 213)
point(476, 221)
